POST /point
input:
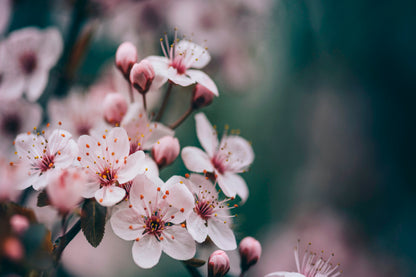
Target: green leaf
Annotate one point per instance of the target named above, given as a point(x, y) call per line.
point(43, 199)
point(93, 221)
point(194, 262)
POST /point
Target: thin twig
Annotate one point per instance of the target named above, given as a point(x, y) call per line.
point(144, 101)
point(165, 102)
point(130, 91)
point(182, 118)
point(65, 239)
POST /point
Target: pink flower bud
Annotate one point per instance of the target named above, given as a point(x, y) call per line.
point(13, 249)
point(166, 150)
point(250, 252)
point(218, 264)
point(126, 57)
point(65, 188)
point(115, 107)
point(201, 96)
point(19, 223)
point(142, 75)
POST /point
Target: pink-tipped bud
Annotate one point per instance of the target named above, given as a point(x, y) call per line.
point(201, 97)
point(126, 57)
point(142, 75)
point(218, 264)
point(13, 249)
point(250, 252)
point(65, 188)
point(19, 223)
point(115, 107)
point(166, 150)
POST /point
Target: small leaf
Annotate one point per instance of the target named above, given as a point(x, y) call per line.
point(43, 199)
point(194, 262)
point(93, 221)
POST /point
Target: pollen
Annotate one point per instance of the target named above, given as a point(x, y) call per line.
point(115, 140)
point(167, 192)
point(183, 225)
point(79, 159)
point(186, 175)
point(141, 196)
point(112, 153)
point(101, 200)
point(87, 145)
point(63, 135)
point(59, 123)
point(137, 239)
point(11, 163)
point(131, 227)
point(98, 143)
point(29, 133)
point(47, 125)
point(104, 137)
point(182, 210)
point(158, 189)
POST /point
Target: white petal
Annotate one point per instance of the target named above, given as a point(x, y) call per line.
point(203, 79)
point(146, 252)
point(242, 154)
point(207, 135)
point(133, 167)
point(160, 66)
point(233, 184)
point(36, 84)
point(142, 185)
point(126, 224)
point(51, 48)
point(109, 196)
point(221, 234)
point(179, 195)
point(158, 131)
point(284, 274)
point(196, 160)
point(42, 181)
point(179, 79)
point(199, 54)
point(150, 166)
point(90, 189)
point(67, 156)
point(181, 246)
point(196, 227)
point(118, 143)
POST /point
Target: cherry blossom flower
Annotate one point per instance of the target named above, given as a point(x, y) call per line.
point(153, 220)
point(179, 58)
point(10, 176)
point(232, 155)
point(42, 156)
point(31, 53)
point(210, 216)
point(109, 164)
point(310, 266)
point(143, 133)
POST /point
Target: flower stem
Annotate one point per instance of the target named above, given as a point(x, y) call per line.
point(144, 102)
point(182, 118)
point(165, 102)
point(64, 240)
point(193, 271)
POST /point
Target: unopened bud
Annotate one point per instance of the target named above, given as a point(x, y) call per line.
point(13, 249)
point(201, 97)
point(250, 252)
point(126, 57)
point(142, 75)
point(19, 223)
point(218, 264)
point(166, 150)
point(65, 188)
point(115, 107)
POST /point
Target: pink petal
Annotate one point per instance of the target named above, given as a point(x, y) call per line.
point(242, 154)
point(109, 196)
point(118, 143)
point(160, 66)
point(158, 131)
point(67, 156)
point(88, 151)
point(179, 79)
point(126, 224)
point(221, 234)
point(199, 54)
point(132, 167)
point(203, 79)
point(145, 188)
point(90, 189)
point(51, 49)
point(207, 135)
point(232, 184)
point(150, 166)
point(181, 246)
point(146, 252)
point(36, 84)
point(284, 274)
point(196, 160)
point(29, 145)
point(196, 227)
point(179, 195)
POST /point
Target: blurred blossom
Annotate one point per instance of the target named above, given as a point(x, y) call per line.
point(13, 248)
point(115, 107)
point(166, 150)
point(31, 53)
point(10, 177)
point(5, 12)
point(126, 57)
point(325, 231)
point(79, 112)
point(250, 252)
point(19, 223)
point(16, 116)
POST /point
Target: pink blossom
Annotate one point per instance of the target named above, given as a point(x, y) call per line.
point(42, 156)
point(115, 107)
point(232, 155)
point(126, 57)
point(65, 188)
point(201, 97)
point(218, 264)
point(19, 223)
point(142, 76)
point(143, 133)
point(210, 216)
point(166, 150)
point(250, 252)
point(179, 58)
point(153, 220)
point(31, 53)
point(11, 175)
point(109, 164)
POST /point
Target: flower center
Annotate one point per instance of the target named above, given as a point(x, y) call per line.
point(178, 64)
point(107, 177)
point(11, 124)
point(45, 163)
point(154, 225)
point(204, 209)
point(219, 163)
point(28, 62)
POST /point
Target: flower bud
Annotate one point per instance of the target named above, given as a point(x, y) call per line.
point(126, 57)
point(65, 188)
point(166, 150)
point(250, 251)
point(142, 75)
point(19, 223)
point(13, 249)
point(218, 264)
point(201, 97)
point(115, 107)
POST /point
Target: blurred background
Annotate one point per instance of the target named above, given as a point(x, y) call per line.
point(324, 90)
